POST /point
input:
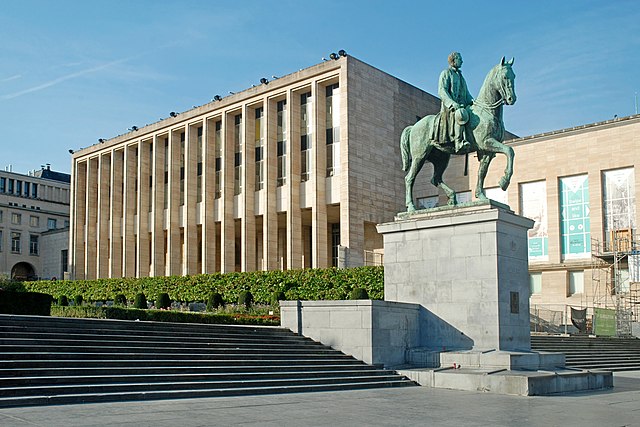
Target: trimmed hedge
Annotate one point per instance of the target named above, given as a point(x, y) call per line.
point(33, 303)
point(122, 313)
point(309, 284)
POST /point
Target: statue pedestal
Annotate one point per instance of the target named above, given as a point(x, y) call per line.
point(467, 266)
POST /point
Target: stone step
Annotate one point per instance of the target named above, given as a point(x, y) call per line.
point(52, 399)
point(129, 371)
point(158, 348)
point(222, 383)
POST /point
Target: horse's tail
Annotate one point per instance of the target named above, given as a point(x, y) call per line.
point(405, 149)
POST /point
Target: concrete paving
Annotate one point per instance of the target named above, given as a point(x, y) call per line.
point(407, 406)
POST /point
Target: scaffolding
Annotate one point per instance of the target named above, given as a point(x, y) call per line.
point(615, 276)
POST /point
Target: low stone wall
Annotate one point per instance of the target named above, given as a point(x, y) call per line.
point(376, 332)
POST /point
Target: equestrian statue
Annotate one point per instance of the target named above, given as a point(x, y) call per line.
point(464, 125)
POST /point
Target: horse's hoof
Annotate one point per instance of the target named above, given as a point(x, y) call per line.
point(504, 183)
point(411, 208)
point(482, 197)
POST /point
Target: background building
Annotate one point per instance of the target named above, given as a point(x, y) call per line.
point(292, 173)
point(32, 208)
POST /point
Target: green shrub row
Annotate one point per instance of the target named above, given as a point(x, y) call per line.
point(121, 313)
point(33, 303)
point(265, 286)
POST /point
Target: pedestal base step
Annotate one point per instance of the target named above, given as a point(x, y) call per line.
point(503, 381)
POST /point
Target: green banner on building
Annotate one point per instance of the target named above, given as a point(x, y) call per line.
point(604, 322)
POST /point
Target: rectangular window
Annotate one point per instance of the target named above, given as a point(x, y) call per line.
point(34, 191)
point(305, 136)
point(3, 185)
point(335, 244)
point(166, 173)
point(576, 282)
point(15, 242)
point(1, 216)
point(16, 218)
point(52, 224)
point(535, 283)
point(182, 145)
point(34, 221)
point(19, 187)
point(64, 262)
point(1, 240)
point(218, 154)
point(237, 161)
point(10, 187)
point(33, 245)
point(619, 209)
point(333, 129)
point(281, 138)
point(533, 204)
point(27, 189)
point(259, 143)
point(575, 227)
point(199, 167)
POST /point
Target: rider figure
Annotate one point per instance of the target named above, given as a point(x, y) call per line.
point(455, 96)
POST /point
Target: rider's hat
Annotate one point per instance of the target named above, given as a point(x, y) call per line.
point(462, 116)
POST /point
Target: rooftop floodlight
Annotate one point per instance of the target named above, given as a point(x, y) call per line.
point(264, 81)
point(231, 93)
point(133, 128)
point(71, 151)
point(324, 59)
point(342, 52)
point(173, 114)
point(275, 77)
point(217, 98)
point(333, 56)
point(101, 140)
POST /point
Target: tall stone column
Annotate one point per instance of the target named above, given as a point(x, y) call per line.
point(173, 218)
point(157, 210)
point(208, 198)
point(247, 214)
point(189, 208)
point(115, 232)
point(319, 236)
point(227, 229)
point(145, 187)
point(270, 216)
point(92, 218)
point(294, 215)
point(130, 210)
point(104, 179)
point(79, 203)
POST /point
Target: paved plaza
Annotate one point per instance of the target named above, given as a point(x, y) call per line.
point(410, 406)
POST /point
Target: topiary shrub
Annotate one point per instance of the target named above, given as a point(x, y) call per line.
point(63, 300)
point(276, 297)
point(358, 293)
point(120, 300)
point(77, 301)
point(163, 301)
point(214, 301)
point(140, 302)
point(245, 298)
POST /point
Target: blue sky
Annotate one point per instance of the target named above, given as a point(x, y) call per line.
point(75, 71)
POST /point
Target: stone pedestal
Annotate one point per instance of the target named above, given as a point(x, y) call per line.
point(467, 266)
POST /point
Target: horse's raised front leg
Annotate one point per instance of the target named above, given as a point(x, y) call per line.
point(495, 146)
point(485, 160)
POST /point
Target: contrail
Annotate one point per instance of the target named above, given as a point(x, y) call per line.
point(61, 79)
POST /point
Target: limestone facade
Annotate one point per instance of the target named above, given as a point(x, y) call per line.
point(31, 206)
point(292, 173)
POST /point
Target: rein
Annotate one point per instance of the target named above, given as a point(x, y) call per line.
point(493, 105)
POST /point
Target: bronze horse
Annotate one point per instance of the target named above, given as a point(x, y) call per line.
point(484, 130)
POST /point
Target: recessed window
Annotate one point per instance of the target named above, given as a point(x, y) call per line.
point(52, 224)
point(281, 138)
point(15, 242)
point(34, 221)
point(305, 136)
point(16, 218)
point(576, 282)
point(33, 245)
point(535, 283)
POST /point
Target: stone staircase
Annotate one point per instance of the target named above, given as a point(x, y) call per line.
point(610, 354)
point(48, 360)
